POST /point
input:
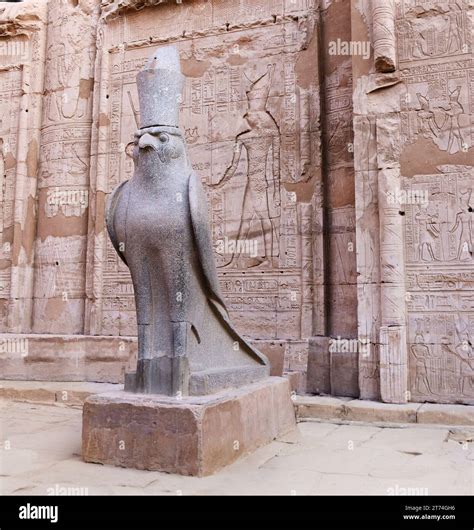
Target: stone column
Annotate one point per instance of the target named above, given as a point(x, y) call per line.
point(379, 225)
point(334, 370)
point(368, 251)
point(393, 345)
point(63, 197)
point(384, 40)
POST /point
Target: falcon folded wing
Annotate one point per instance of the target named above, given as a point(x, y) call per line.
point(202, 234)
point(110, 215)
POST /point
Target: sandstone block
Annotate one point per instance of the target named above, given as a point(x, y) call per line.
point(446, 414)
point(373, 411)
point(189, 436)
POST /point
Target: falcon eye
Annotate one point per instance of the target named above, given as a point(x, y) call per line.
point(163, 137)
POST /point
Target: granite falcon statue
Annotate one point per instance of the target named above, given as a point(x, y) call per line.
point(158, 224)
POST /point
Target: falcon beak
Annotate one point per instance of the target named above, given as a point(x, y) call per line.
point(147, 140)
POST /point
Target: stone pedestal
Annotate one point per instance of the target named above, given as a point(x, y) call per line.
point(189, 436)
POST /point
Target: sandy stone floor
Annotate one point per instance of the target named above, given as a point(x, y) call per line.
point(41, 454)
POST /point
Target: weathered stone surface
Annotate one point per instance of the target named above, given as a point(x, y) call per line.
point(191, 436)
point(66, 357)
point(22, 77)
point(294, 378)
point(53, 393)
point(63, 180)
point(322, 407)
point(327, 408)
point(275, 353)
point(372, 411)
point(339, 248)
point(446, 414)
point(330, 408)
point(384, 37)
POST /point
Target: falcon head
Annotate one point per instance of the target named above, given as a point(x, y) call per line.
point(159, 145)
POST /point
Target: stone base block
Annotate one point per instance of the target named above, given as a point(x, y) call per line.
point(189, 436)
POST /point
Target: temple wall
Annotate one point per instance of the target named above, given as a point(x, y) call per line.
point(355, 272)
point(260, 64)
point(413, 123)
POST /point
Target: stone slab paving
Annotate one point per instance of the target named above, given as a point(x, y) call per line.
point(41, 454)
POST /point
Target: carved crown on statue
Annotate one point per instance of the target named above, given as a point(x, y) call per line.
point(160, 84)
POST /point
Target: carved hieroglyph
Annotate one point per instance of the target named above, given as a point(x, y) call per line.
point(249, 115)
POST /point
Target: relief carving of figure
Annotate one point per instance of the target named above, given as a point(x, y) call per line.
point(72, 58)
point(451, 126)
point(465, 353)
point(421, 353)
point(464, 220)
point(428, 233)
point(443, 36)
point(443, 124)
point(426, 121)
point(454, 41)
point(261, 141)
